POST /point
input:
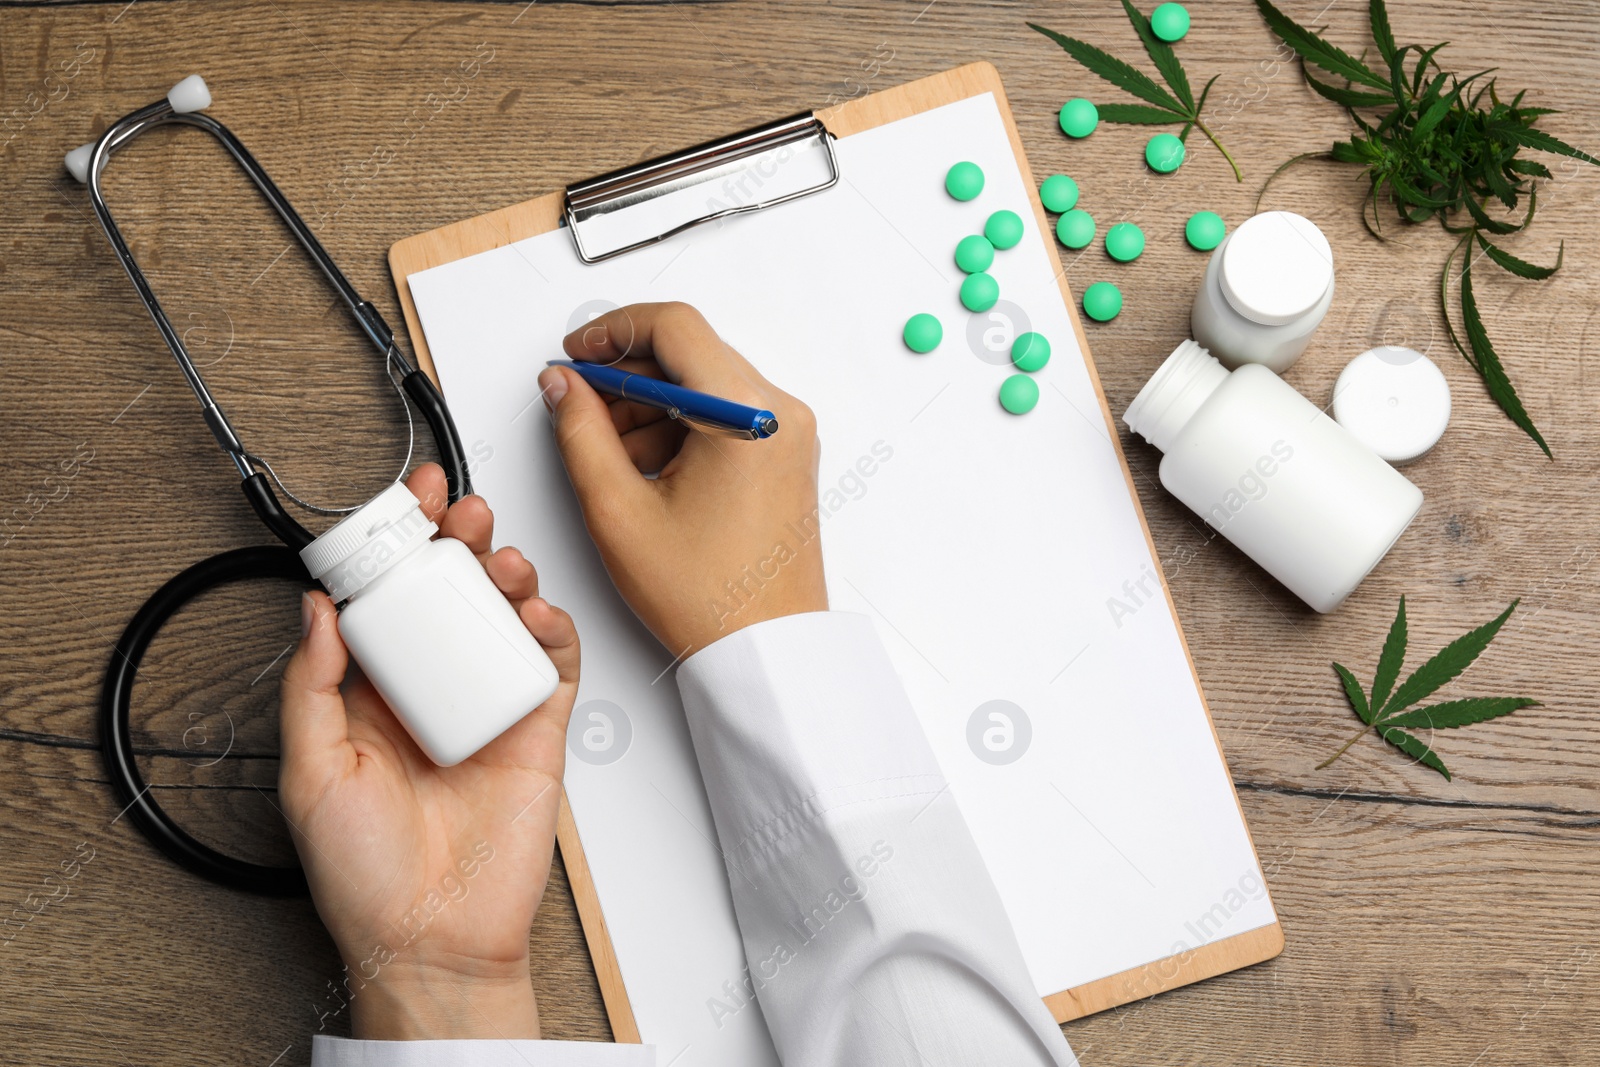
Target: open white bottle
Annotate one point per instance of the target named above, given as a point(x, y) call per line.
point(1297, 492)
point(435, 636)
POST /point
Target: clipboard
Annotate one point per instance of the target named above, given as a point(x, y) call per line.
point(576, 209)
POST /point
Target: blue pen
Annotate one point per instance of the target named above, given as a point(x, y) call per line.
point(675, 400)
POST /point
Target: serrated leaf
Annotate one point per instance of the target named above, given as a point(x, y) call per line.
point(1456, 713)
point(1198, 108)
point(1389, 661)
point(1416, 750)
point(1487, 361)
point(1499, 186)
point(1413, 196)
point(1353, 693)
point(1141, 114)
point(1397, 81)
point(1529, 137)
point(1341, 95)
point(1382, 35)
point(1162, 55)
point(1114, 70)
point(1314, 49)
point(1481, 217)
point(1530, 167)
point(1433, 92)
point(1521, 267)
point(1393, 720)
point(1448, 662)
point(1424, 58)
point(1435, 112)
point(1358, 151)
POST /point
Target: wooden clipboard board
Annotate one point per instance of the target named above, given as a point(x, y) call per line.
point(543, 214)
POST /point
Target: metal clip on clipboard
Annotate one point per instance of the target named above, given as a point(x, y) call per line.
point(650, 202)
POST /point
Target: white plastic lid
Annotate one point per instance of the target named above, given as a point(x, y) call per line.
point(1394, 400)
point(365, 543)
point(1174, 393)
point(1275, 267)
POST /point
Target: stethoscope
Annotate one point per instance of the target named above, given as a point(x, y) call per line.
point(183, 105)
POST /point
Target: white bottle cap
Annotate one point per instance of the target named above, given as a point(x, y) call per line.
point(367, 542)
point(1394, 400)
point(1275, 267)
point(1174, 393)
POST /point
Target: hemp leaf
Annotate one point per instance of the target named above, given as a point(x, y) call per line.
point(1386, 710)
point(1161, 107)
point(1442, 146)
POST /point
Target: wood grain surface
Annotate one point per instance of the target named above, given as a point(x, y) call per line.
point(1427, 922)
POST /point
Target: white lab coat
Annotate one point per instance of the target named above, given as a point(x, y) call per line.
point(873, 933)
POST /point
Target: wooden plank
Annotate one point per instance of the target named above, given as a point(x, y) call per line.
point(1428, 922)
point(1417, 934)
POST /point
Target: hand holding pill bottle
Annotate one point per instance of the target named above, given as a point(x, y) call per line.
point(428, 876)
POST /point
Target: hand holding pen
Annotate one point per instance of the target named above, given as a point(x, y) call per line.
point(694, 408)
point(725, 535)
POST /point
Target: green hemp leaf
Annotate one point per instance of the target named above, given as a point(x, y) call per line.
point(1385, 710)
point(1436, 145)
point(1174, 104)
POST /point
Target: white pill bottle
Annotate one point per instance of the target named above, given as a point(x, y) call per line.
point(437, 639)
point(1266, 289)
point(1294, 490)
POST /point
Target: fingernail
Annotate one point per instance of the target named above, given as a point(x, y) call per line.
point(308, 611)
point(555, 387)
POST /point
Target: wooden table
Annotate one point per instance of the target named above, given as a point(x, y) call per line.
point(1427, 921)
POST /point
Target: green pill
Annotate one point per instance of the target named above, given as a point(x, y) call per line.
point(1004, 229)
point(1102, 301)
point(974, 253)
point(1075, 229)
point(1018, 394)
point(1124, 242)
point(979, 292)
point(1170, 22)
point(964, 181)
point(1058, 193)
point(1164, 153)
point(1079, 117)
point(1205, 230)
point(1030, 351)
point(922, 333)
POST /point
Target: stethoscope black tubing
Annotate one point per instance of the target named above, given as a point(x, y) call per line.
point(116, 742)
point(133, 795)
point(241, 564)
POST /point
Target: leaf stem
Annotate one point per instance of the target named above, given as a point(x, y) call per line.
point(1213, 139)
point(1359, 735)
point(1274, 175)
point(1462, 247)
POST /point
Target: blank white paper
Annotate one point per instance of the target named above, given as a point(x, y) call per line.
point(1000, 557)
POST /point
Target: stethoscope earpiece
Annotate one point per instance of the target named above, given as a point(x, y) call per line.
point(189, 95)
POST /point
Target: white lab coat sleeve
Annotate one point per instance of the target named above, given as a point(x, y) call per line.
point(872, 930)
point(346, 1052)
